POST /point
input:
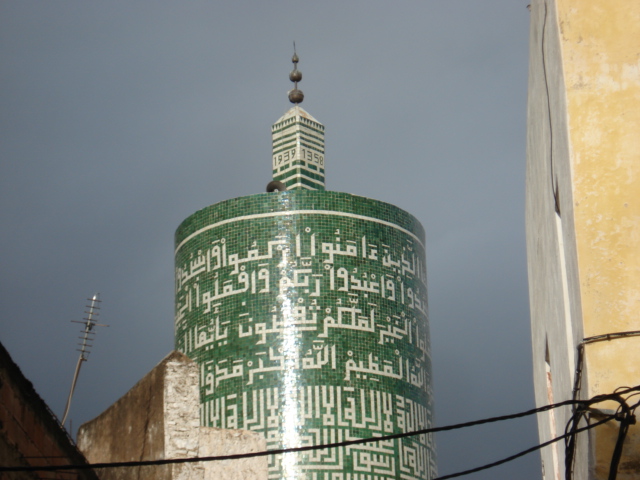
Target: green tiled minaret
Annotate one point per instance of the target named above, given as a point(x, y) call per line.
point(306, 311)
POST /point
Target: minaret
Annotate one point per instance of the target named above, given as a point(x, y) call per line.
point(298, 144)
point(306, 312)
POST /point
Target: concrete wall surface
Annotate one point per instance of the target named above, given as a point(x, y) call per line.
point(159, 418)
point(583, 219)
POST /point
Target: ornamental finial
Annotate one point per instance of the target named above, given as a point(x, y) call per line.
point(295, 96)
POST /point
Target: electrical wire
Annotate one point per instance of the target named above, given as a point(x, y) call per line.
point(570, 440)
point(612, 396)
point(628, 419)
point(524, 452)
point(624, 414)
point(586, 341)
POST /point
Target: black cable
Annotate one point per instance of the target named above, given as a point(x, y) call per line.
point(525, 452)
point(571, 434)
point(586, 341)
point(624, 414)
point(554, 179)
point(289, 450)
point(628, 418)
point(610, 336)
point(348, 443)
point(570, 440)
point(617, 451)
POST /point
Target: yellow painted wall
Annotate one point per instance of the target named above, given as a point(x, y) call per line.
point(600, 46)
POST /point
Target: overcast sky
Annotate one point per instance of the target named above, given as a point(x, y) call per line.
point(119, 119)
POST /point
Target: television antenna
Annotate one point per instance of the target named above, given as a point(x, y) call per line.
point(88, 333)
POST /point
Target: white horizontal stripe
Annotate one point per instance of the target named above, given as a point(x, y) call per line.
point(297, 212)
point(301, 185)
point(298, 175)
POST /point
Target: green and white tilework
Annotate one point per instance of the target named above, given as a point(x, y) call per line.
point(307, 314)
point(298, 150)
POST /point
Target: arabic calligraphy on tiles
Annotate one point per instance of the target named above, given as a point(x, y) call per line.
point(337, 411)
point(334, 318)
point(232, 277)
point(326, 297)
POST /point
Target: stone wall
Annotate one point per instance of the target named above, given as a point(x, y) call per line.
point(159, 418)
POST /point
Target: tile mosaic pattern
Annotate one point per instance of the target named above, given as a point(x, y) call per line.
point(307, 313)
point(298, 150)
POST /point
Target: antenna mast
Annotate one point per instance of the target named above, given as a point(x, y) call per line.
point(87, 336)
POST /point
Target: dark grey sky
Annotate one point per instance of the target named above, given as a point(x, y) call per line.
point(119, 119)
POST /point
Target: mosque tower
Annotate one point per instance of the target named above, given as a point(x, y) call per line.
point(306, 312)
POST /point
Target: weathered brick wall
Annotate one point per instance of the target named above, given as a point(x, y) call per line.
point(29, 433)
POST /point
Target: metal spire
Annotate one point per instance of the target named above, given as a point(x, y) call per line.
point(295, 96)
